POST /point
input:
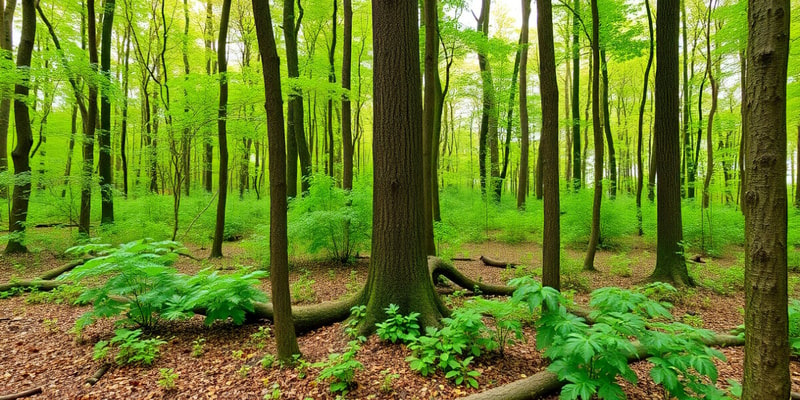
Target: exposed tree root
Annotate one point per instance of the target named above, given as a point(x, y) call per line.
point(545, 382)
point(99, 374)
point(308, 318)
point(491, 262)
point(19, 395)
point(58, 271)
point(439, 267)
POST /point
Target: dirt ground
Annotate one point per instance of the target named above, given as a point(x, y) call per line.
point(37, 349)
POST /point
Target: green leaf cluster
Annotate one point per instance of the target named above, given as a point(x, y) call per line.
point(340, 369)
point(591, 357)
point(142, 284)
point(404, 328)
point(131, 348)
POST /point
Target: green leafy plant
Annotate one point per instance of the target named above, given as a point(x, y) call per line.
point(404, 328)
point(387, 385)
point(51, 325)
point(303, 288)
point(131, 348)
point(267, 361)
point(142, 285)
point(357, 314)
point(259, 338)
point(63, 294)
point(237, 354)
point(353, 284)
point(592, 357)
point(168, 377)
point(197, 347)
point(340, 369)
point(243, 371)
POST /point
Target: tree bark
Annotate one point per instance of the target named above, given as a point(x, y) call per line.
point(670, 261)
point(714, 96)
point(639, 143)
point(6, 32)
point(397, 240)
point(104, 136)
point(577, 178)
point(431, 63)
point(332, 79)
point(522, 189)
point(222, 62)
point(766, 366)
point(612, 154)
point(22, 122)
point(594, 237)
point(347, 134)
point(89, 127)
point(551, 245)
point(278, 242)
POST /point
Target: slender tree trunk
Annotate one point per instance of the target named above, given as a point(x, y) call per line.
point(332, 79)
point(551, 246)
point(186, 137)
point(509, 125)
point(639, 143)
point(670, 262)
point(347, 134)
point(104, 136)
point(612, 155)
point(766, 363)
point(90, 122)
point(6, 31)
point(594, 237)
point(687, 101)
point(487, 137)
point(278, 242)
point(208, 147)
point(797, 180)
point(123, 140)
point(22, 122)
point(222, 62)
point(577, 179)
point(711, 112)
point(431, 63)
point(522, 189)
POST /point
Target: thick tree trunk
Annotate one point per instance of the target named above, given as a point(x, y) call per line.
point(766, 366)
point(90, 123)
point(397, 242)
point(594, 237)
point(551, 246)
point(670, 262)
point(22, 122)
point(222, 62)
point(522, 189)
point(297, 147)
point(278, 242)
point(104, 136)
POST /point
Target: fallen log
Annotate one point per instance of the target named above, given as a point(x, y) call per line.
point(439, 267)
point(491, 262)
point(38, 284)
point(19, 395)
point(545, 382)
point(99, 374)
point(58, 271)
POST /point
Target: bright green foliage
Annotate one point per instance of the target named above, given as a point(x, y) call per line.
point(591, 357)
point(794, 326)
point(168, 377)
point(143, 285)
point(340, 369)
point(132, 349)
point(64, 294)
point(197, 347)
point(303, 288)
point(331, 219)
point(398, 327)
point(508, 317)
point(357, 314)
point(259, 339)
point(267, 361)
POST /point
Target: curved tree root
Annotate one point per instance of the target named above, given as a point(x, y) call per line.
point(545, 382)
point(308, 318)
point(439, 267)
point(19, 395)
point(491, 262)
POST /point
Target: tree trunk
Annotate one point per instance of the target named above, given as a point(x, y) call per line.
point(594, 238)
point(347, 134)
point(639, 163)
point(687, 101)
point(714, 96)
point(332, 79)
point(104, 137)
point(431, 63)
point(487, 138)
point(766, 366)
point(509, 123)
point(186, 138)
point(577, 178)
point(522, 189)
point(397, 242)
point(670, 262)
point(612, 155)
point(89, 127)
point(6, 31)
point(797, 181)
point(123, 139)
point(551, 246)
point(22, 122)
point(278, 242)
point(222, 62)
point(208, 147)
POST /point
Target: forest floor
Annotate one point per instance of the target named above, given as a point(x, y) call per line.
point(37, 349)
